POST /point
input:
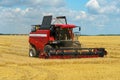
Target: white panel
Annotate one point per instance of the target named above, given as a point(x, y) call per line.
point(38, 35)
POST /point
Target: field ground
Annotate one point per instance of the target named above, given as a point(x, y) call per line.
point(16, 65)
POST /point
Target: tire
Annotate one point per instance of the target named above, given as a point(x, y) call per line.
point(47, 49)
point(32, 52)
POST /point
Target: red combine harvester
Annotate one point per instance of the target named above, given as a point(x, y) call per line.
point(54, 38)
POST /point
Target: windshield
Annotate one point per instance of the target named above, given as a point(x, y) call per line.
point(62, 34)
point(59, 21)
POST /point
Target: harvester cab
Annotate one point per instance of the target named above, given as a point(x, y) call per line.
point(54, 38)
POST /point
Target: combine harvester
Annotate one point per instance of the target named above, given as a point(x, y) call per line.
point(54, 39)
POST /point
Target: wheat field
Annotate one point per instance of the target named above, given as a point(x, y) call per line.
point(16, 65)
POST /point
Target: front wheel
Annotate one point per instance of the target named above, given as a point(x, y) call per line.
point(47, 50)
point(32, 52)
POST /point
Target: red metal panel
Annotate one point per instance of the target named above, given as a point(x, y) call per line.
point(65, 25)
point(68, 56)
point(39, 38)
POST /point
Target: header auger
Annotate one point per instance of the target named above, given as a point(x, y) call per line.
point(54, 38)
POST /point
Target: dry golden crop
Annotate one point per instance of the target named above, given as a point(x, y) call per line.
point(16, 65)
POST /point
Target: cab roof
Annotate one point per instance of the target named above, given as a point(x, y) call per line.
point(65, 25)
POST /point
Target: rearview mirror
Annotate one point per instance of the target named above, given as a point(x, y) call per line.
point(79, 28)
point(33, 29)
